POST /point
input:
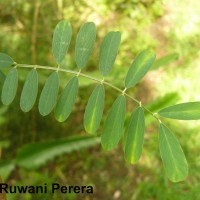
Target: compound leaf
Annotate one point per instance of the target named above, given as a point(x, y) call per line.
point(135, 136)
point(108, 51)
point(61, 40)
point(113, 126)
point(84, 43)
point(29, 91)
point(9, 89)
point(139, 67)
point(173, 158)
point(49, 94)
point(183, 111)
point(94, 109)
point(67, 100)
point(32, 156)
point(5, 61)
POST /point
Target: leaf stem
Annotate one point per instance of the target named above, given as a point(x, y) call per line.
point(79, 73)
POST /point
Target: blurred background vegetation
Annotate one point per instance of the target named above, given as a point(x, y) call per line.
point(170, 28)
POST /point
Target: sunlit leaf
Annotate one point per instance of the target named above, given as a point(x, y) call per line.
point(29, 91)
point(5, 61)
point(9, 89)
point(84, 43)
point(108, 51)
point(94, 109)
point(139, 67)
point(172, 155)
point(135, 136)
point(35, 155)
point(183, 111)
point(67, 100)
point(61, 40)
point(6, 167)
point(49, 94)
point(165, 60)
point(113, 126)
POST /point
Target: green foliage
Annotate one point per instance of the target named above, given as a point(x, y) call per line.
point(183, 111)
point(114, 124)
point(61, 40)
point(84, 43)
point(5, 61)
point(172, 155)
point(108, 52)
point(94, 109)
point(165, 60)
point(33, 156)
point(10, 87)
point(67, 100)
point(139, 68)
point(29, 91)
point(135, 136)
point(49, 94)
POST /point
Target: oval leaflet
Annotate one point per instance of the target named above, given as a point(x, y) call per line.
point(113, 126)
point(172, 155)
point(94, 109)
point(9, 89)
point(84, 43)
point(67, 100)
point(49, 94)
point(29, 91)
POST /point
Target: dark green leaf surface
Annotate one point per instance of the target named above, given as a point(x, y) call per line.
point(172, 155)
point(29, 91)
point(5, 61)
point(94, 109)
point(33, 156)
point(84, 43)
point(113, 126)
point(49, 94)
point(10, 87)
point(183, 111)
point(67, 100)
point(135, 136)
point(108, 52)
point(139, 68)
point(61, 40)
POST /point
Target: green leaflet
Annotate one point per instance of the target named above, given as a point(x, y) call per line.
point(2, 78)
point(32, 156)
point(183, 111)
point(165, 60)
point(67, 100)
point(135, 136)
point(94, 109)
point(84, 43)
point(29, 91)
point(113, 126)
point(61, 40)
point(5, 61)
point(49, 94)
point(108, 51)
point(139, 67)
point(172, 155)
point(10, 87)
